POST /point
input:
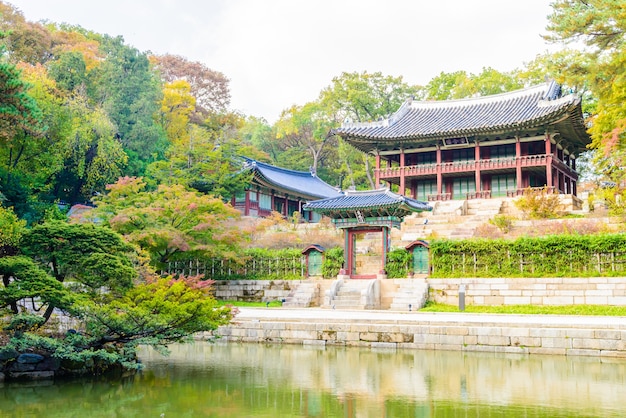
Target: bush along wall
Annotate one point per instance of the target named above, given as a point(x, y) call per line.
point(552, 256)
point(254, 264)
point(399, 263)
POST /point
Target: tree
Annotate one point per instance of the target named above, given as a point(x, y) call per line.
point(11, 230)
point(460, 84)
point(208, 87)
point(94, 257)
point(20, 126)
point(156, 313)
point(600, 26)
point(129, 91)
point(170, 221)
point(304, 130)
point(362, 97)
point(93, 156)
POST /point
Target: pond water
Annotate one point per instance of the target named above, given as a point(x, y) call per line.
point(255, 380)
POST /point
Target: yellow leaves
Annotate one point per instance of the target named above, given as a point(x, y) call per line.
point(77, 42)
point(176, 108)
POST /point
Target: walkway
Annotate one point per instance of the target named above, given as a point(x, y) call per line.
point(424, 318)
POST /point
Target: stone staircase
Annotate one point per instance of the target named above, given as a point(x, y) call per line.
point(450, 219)
point(353, 294)
point(411, 295)
point(304, 295)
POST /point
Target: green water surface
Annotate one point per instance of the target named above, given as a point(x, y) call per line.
point(254, 380)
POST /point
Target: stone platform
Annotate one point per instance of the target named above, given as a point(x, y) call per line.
point(519, 334)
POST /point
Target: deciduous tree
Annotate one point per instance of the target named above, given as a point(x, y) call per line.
point(170, 220)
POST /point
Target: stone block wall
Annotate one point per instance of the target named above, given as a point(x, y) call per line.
point(254, 290)
point(487, 335)
point(529, 291)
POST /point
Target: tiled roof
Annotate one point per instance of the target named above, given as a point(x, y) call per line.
point(370, 199)
point(420, 121)
point(301, 183)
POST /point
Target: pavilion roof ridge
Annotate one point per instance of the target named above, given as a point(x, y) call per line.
point(550, 90)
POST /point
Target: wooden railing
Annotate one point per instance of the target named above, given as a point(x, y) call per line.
point(470, 166)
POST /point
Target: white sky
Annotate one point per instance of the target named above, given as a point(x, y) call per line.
point(283, 52)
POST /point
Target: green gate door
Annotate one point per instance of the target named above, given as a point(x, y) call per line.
point(315, 263)
point(420, 259)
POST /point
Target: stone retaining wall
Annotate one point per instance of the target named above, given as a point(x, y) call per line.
point(254, 290)
point(531, 291)
point(483, 335)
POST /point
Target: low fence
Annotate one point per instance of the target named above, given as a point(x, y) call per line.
point(552, 256)
point(220, 269)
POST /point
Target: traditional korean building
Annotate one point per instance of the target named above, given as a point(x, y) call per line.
point(477, 148)
point(281, 190)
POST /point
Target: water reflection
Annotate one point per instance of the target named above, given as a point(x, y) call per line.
point(252, 380)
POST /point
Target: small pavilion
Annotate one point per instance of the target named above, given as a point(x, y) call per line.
point(366, 218)
point(277, 189)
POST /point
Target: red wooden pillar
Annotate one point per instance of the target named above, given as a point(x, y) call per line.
point(477, 167)
point(246, 210)
point(549, 174)
point(286, 210)
point(377, 171)
point(518, 164)
point(402, 183)
point(439, 176)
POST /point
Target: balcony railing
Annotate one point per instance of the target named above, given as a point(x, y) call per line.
point(471, 166)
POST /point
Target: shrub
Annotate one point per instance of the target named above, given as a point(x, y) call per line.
point(503, 222)
point(549, 256)
point(399, 263)
point(539, 203)
point(333, 262)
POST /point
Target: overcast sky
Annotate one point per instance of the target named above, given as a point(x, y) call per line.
point(277, 53)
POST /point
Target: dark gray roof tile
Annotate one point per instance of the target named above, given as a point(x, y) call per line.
point(301, 183)
point(418, 121)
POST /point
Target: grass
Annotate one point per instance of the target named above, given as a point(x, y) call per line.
point(274, 304)
point(598, 310)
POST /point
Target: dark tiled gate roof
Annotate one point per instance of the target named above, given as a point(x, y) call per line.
point(381, 200)
point(522, 110)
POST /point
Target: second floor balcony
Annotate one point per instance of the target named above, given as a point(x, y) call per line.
point(471, 166)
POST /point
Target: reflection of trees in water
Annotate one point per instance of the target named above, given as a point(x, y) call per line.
point(274, 380)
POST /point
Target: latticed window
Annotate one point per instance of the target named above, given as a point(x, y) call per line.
point(501, 183)
point(462, 186)
point(265, 201)
point(502, 151)
point(425, 188)
point(463, 155)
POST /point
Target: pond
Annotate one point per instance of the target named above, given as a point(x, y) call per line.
point(255, 380)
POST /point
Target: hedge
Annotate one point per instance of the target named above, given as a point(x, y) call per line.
point(551, 256)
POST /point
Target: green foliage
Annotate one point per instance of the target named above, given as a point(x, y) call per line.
point(170, 221)
point(599, 310)
point(539, 203)
point(332, 263)
point(251, 264)
point(11, 231)
point(22, 279)
point(399, 263)
point(551, 256)
point(503, 222)
point(24, 322)
point(157, 313)
point(93, 256)
point(73, 351)
point(599, 26)
point(613, 197)
point(459, 84)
